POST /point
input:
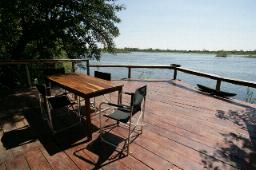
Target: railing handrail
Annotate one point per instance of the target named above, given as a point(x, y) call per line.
point(217, 77)
point(172, 66)
point(36, 61)
point(185, 70)
point(131, 66)
point(28, 62)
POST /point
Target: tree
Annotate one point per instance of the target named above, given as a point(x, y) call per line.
point(52, 28)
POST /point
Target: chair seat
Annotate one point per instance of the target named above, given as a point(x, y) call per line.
point(59, 101)
point(119, 116)
point(126, 108)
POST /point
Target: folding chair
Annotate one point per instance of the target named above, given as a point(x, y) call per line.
point(51, 105)
point(55, 71)
point(104, 76)
point(124, 114)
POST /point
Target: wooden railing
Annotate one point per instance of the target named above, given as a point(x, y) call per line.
point(174, 67)
point(177, 68)
point(26, 63)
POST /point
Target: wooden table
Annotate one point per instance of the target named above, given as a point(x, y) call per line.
point(86, 87)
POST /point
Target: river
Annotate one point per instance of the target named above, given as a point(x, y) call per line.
point(234, 66)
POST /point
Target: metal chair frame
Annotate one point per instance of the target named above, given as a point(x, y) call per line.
point(104, 76)
point(131, 130)
point(46, 108)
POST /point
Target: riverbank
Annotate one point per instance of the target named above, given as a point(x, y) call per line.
point(227, 52)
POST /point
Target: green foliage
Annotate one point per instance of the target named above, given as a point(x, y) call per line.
point(48, 29)
point(221, 54)
point(204, 51)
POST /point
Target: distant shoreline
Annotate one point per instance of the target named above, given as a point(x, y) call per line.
point(230, 52)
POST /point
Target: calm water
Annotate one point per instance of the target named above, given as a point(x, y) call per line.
point(233, 66)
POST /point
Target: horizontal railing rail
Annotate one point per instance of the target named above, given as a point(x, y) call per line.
point(174, 67)
point(44, 61)
point(131, 66)
point(41, 61)
point(217, 77)
point(177, 68)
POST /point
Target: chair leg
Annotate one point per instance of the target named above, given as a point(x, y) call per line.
point(143, 111)
point(129, 138)
point(100, 117)
point(50, 118)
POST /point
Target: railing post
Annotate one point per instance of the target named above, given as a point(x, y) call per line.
point(174, 74)
point(175, 71)
point(129, 72)
point(28, 76)
point(218, 85)
point(73, 66)
point(88, 67)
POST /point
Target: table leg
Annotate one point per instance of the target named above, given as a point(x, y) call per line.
point(88, 117)
point(119, 99)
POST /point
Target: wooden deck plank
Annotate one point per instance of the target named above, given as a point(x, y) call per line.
point(59, 161)
point(36, 160)
point(183, 131)
point(18, 162)
point(209, 117)
point(159, 109)
point(144, 155)
point(206, 135)
point(2, 166)
point(150, 158)
point(185, 109)
point(4, 154)
point(166, 148)
point(195, 145)
point(94, 155)
point(183, 114)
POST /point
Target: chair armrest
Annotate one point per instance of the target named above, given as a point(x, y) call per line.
point(129, 93)
point(117, 105)
point(49, 97)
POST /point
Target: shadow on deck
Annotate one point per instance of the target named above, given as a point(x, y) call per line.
point(185, 129)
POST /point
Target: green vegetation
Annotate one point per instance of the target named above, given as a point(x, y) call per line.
point(230, 52)
point(51, 29)
point(221, 54)
point(44, 29)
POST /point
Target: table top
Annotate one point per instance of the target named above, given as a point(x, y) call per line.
point(84, 85)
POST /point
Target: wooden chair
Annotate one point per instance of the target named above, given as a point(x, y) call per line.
point(124, 114)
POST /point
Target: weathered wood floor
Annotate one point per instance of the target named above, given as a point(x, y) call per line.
point(185, 129)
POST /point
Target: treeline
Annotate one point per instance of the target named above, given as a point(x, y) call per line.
point(237, 52)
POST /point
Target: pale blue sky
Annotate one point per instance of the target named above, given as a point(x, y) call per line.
point(188, 24)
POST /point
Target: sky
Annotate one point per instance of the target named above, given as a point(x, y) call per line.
point(188, 24)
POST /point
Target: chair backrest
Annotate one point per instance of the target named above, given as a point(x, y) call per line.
point(102, 75)
point(42, 89)
point(53, 71)
point(42, 97)
point(56, 101)
point(138, 97)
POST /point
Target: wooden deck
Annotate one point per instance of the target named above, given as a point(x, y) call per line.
point(185, 129)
